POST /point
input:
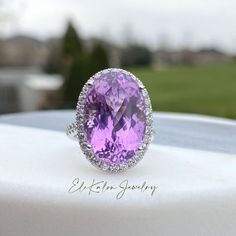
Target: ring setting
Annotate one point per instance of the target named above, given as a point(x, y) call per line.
point(113, 120)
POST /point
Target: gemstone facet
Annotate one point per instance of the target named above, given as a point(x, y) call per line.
point(114, 119)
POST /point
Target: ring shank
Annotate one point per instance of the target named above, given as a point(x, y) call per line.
point(72, 131)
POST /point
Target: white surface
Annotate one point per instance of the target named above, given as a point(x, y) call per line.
point(189, 131)
point(194, 117)
point(196, 194)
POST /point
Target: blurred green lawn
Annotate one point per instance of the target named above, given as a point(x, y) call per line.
point(208, 89)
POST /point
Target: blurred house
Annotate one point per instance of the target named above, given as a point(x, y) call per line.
point(10, 82)
point(22, 51)
point(211, 56)
point(190, 57)
point(28, 89)
point(23, 85)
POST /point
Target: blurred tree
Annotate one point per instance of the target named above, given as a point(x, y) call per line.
point(98, 58)
point(136, 55)
point(71, 45)
point(73, 60)
point(53, 64)
point(78, 65)
point(64, 52)
point(77, 76)
point(2, 57)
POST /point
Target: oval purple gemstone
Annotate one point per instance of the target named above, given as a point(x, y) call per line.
point(115, 118)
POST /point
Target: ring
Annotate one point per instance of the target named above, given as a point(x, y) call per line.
point(113, 120)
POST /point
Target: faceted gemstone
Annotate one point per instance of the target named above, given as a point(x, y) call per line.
point(115, 118)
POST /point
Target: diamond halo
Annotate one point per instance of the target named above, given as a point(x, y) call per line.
point(76, 129)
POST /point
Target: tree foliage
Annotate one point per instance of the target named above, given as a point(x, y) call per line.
point(71, 44)
point(78, 65)
point(98, 58)
point(136, 55)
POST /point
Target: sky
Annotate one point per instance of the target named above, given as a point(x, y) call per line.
point(172, 23)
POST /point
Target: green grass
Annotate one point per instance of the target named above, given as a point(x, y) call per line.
point(209, 89)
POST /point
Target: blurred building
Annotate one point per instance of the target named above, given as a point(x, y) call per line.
point(22, 51)
point(190, 57)
point(28, 89)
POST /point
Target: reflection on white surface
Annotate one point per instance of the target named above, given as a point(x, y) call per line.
point(173, 129)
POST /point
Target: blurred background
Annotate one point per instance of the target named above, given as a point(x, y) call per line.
point(184, 51)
